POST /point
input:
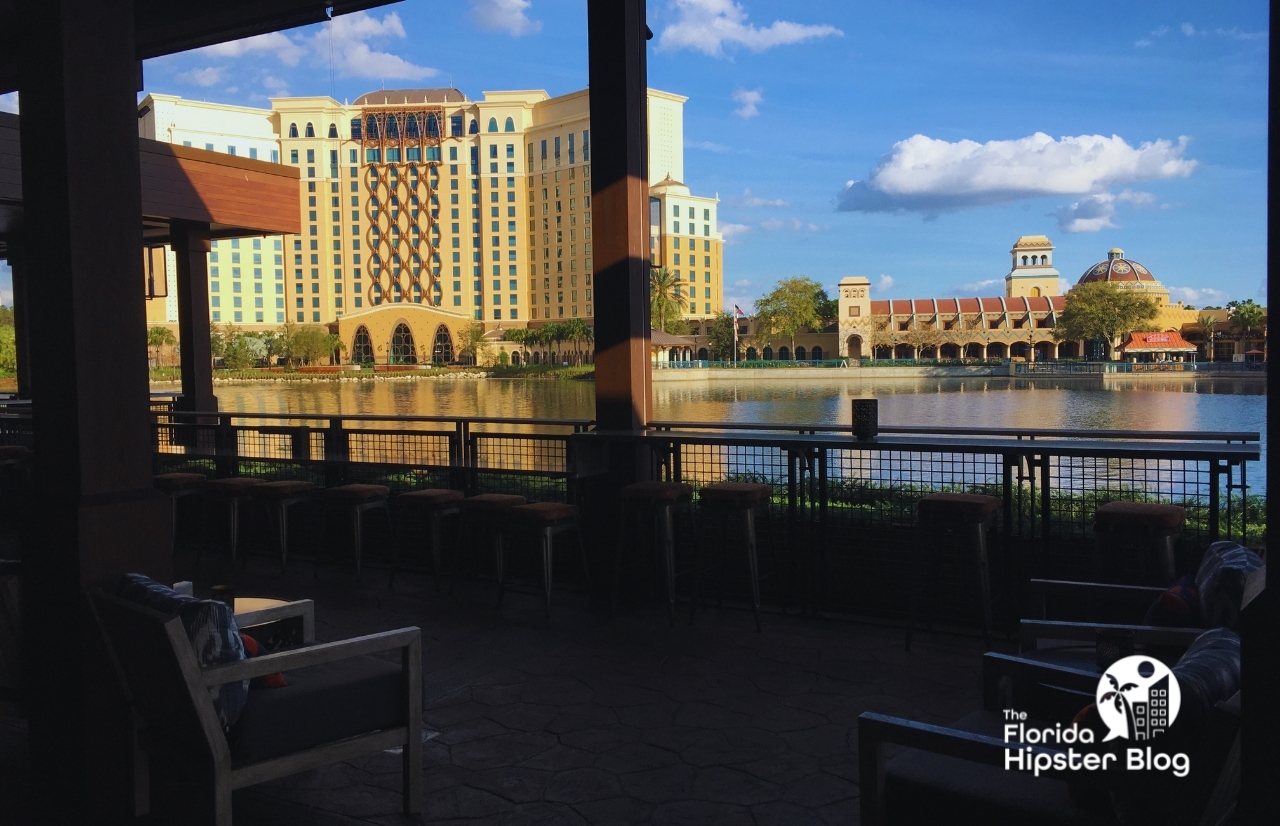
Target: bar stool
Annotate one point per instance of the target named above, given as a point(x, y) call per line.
point(729, 502)
point(658, 503)
point(178, 486)
point(277, 497)
point(231, 491)
point(964, 518)
point(548, 520)
point(357, 499)
point(433, 505)
point(481, 518)
point(1150, 529)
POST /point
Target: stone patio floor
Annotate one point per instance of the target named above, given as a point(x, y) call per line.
point(584, 718)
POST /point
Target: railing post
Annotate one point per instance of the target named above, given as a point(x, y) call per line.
point(300, 443)
point(1215, 478)
point(460, 476)
point(337, 453)
point(226, 448)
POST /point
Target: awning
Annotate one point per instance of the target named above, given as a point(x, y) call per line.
point(1166, 342)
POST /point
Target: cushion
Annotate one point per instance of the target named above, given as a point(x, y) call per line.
point(1151, 517)
point(253, 648)
point(1177, 607)
point(656, 491)
point(963, 508)
point(735, 493)
point(1221, 579)
point(320, 704)
point(544, 513)
point(211, 627)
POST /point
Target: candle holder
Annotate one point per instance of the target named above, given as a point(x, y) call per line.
point(866, 419)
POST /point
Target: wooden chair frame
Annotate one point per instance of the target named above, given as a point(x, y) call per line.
point(169, 692)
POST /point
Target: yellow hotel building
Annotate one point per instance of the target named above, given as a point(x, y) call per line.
point(424, 211)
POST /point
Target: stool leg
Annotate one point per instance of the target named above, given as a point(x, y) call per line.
point(547, 544)
point(582, 554)
point(233, 525)
point(357, 516)
point(668, 539)
point(753, 561)
point(984, 578)
point(499, 554)
point(282, 514)
point(435, 548)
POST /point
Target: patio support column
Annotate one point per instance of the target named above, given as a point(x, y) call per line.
point(620, 209)
point(191, 247)
point(100, 514)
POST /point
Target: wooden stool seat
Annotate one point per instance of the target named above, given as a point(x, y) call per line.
point(970, 516)
point(278, 496)
point(179, 482)
point(357, 493)
point(963, 508)
point(656, 492)
point(15, 453)
point(1140, 516)
point(434, 504)
point(548, 520)
point(736, 493)
point(1151, 529)
point(281, 489)
point(543, 513)
point(230, 489)
point(231, 485)
point(491, 502)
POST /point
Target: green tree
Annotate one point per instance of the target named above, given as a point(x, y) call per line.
point(309, 344)
point(8, 348)
point(1206, 323)
point(1246, 316)
point(520, 336)
point(792, 306)
point(666, 299)
point(1100, 310)
point(158, 337)
point(828, 308)
point(720, 336)
point(577, 331)
point(553, 334)
point(472, 342)
point(241, 351)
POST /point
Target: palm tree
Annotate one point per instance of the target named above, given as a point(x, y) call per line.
point(666, 298)
point(158, 337)
point(1121, 701)
point(1206, 326)
point(520, 336)
point(473, 342)
point(576, 330)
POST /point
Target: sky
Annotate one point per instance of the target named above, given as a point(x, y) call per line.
point(909, 142)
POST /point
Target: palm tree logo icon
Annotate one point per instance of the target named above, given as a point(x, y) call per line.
point(1138, 698)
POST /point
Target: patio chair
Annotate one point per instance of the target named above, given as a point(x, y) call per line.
point(1075, 618)
point(339, 702)
point(957, 773)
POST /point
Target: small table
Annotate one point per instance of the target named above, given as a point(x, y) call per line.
point(294, 620)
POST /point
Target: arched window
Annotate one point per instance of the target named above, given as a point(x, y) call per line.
point(816, 355)
point(474, 127)
point(442, 348)
point(355, 129)
point(333, 130)
point(371, 127)
point(492, 125)
point(411, 127)
point(702, 354)
point(768, 353)
point(393, 127)
point(362, 346)
point(402, 349)
point(1035, 292)
point(751, 354)
point(784, 353)
point(433, 126)
point(311, 131)
point(515, 358)
point(799, 354)
point(293, 130)
point(1024, 260)
point(509, 126)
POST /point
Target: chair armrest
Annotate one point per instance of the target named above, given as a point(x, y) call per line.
point(401, 638)
point(303, 609)
point(1032, 630)
point(1137, 596)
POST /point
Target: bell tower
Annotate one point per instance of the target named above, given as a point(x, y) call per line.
point(1033, 273)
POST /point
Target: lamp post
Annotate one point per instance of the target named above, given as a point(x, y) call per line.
point(1031, 344)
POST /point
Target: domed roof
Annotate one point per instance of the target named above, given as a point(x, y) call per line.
point(1118, 270)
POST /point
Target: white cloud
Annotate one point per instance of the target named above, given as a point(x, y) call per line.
point(344, 43)
point(732, 231)
point(884, 283)
point(931, 176)
point(1198, 296)
point(278, 87)
point(206, 77)
point(751, 200)
point(750, 100)
point(510, 16)
point(706, 146)
point(1191, 30)
point(708, 26)
point(1095, 212)
point(741, 283)
point(9, 102)
point(277, 44)
point(792, 224)
point(345, 40)
point(979, 286)
point(1188, 29)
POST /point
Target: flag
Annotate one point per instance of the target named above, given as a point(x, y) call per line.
point(738, 310)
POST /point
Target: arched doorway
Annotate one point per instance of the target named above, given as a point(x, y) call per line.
point(442, 346)
point(1069, 350)
point(767, 355)
point(973, 350)
point(949, 351)
point(816, 355)
point(997, 350)
point(362, 346)
point(853, 347)
point(882, 351)
point(515, 358)
point(904, 352)
point(784, 353)
point(800, 354)
point(1044, 351)
point(703, 355)
point(751, 354)
point(402, 347)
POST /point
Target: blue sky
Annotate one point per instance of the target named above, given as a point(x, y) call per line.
point(911, 142)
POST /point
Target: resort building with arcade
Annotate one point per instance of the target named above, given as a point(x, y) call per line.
point(424, 212)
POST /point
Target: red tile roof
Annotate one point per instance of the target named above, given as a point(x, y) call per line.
point(1163, 342)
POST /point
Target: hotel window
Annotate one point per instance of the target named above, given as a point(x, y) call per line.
point(311, 131)
point(293, 130)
